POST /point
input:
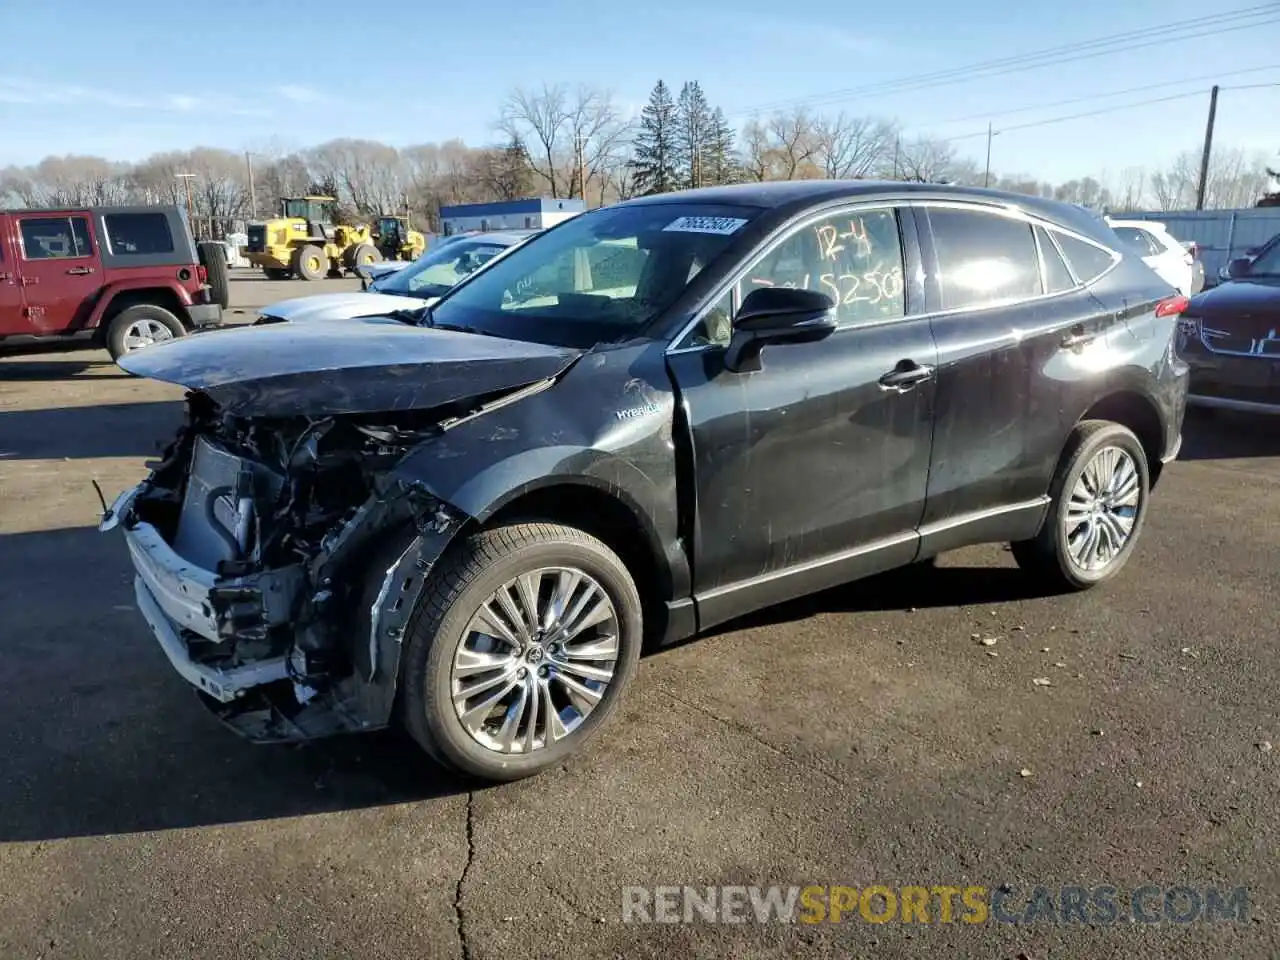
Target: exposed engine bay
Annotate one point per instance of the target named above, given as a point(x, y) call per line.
point(279, 559)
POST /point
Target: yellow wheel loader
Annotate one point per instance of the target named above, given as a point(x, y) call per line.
point(306, 243)
point(396, 241)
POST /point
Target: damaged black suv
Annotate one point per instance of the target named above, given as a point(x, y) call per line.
point(652, 418)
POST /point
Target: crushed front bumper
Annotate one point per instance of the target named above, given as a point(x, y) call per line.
point(183, 603)
point(218, 631)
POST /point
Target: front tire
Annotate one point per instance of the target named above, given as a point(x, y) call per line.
point(524, 640)
point(310, 262)
point(1098, 507)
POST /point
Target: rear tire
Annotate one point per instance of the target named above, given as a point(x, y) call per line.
point(140, 326)
point(213, 257)
point(1097, 510)
point(310, 262)
point(536, 672)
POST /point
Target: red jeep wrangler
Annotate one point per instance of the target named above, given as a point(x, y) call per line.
point(118, 277)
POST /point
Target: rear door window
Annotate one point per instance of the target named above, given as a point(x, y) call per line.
point(1088, 260)
point(55, 238)
point(137, 234)
point(983, 258)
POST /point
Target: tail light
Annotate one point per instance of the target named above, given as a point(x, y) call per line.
point(1172, 306)
point(202, 275)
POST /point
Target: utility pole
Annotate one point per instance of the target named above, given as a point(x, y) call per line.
point(187, 178)
point(986, 177)
point(582, 168)
point(897, 152)
point(253, 196)
point(1208, 147)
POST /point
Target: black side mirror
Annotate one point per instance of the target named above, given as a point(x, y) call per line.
point(777, 315)
point(1238, 268)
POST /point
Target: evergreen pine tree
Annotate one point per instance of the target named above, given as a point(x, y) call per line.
point(693, 118)
point(655, 145)
point(721, 165)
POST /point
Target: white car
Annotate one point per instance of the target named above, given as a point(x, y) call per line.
point(1161, 252)
point(420, 284)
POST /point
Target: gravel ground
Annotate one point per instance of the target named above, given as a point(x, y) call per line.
point(862, 736)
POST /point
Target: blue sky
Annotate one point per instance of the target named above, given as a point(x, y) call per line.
point(127, 78)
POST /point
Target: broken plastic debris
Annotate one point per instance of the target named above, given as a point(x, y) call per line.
point(989, 641)
point(1042, 682)
point(1024, 772)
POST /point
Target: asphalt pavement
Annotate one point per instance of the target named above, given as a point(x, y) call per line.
point(864, 736)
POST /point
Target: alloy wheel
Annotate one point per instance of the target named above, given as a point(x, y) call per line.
point(535, 660)
point(1103, 509)
point(143, 333)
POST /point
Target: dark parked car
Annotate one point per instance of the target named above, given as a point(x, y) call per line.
point(1231, 337)
point(116, 277)
point(646, 421)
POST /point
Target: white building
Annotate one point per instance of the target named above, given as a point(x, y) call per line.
point(531, 214)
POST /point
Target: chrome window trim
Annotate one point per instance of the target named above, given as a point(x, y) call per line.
point(971, 205)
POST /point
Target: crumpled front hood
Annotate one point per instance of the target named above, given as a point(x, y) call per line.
point(340, 306)
point(364, 366)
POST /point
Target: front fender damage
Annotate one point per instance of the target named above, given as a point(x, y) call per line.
point(371, 629)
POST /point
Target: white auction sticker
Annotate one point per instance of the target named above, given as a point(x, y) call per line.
point(720, 225)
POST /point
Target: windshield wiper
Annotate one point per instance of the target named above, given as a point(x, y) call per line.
point(413, 316)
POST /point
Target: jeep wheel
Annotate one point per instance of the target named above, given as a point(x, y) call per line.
point(213, 257)
point(140, 326)
point(521, 647)
point(310, 262)
point(1099, 504)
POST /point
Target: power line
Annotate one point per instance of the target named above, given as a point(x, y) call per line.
point(1097, 96)
point(1094, 113)
point(1082, 50)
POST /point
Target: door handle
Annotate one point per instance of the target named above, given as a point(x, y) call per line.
point(6, 276)
point(79, 271)
point(1077, 337)
point(906, 374)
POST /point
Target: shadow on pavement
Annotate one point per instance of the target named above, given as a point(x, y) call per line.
point(916, 587)
point(1225, 435)
point(81, 433)
point(41, 371)
point(98, 735)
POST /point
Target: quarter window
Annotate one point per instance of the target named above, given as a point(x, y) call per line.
point(1087, 260)
point(55, 238)
point(983, 259)
point(1057, 278)
point(137, 234)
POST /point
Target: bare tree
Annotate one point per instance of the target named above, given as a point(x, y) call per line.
point(757, 153)
point(601, 135)
point(795, 144)
point(927, 160)
point(539, 120)
point(851, 147)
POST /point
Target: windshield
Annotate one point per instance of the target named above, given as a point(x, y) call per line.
point(435, 273)
point(1267, 264)
point(598, 278)
point(317, 210)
